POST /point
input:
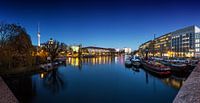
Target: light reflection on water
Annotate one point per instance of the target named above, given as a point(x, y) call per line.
point(174, 82)
point(96, 60)
point(100, 79)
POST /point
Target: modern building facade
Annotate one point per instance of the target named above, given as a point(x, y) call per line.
point(146, 47)
point(184, 42)
point(127, 50)
point(162, 45)
point(97, 51)
point(197, 43)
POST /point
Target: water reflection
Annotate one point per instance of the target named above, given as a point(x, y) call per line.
point(102, 82)
point(24, 88)
point(120, 59)
point(53, 81)
point(174, 82)
point(77, 62)
point(147, 77)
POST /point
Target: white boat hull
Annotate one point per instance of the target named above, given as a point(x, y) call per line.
point(136, 63)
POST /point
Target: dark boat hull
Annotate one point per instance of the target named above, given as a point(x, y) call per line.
point(151, 69)
point(176, 69)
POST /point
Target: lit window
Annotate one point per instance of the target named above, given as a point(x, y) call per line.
point(197, 45)
point(197, 40)
point(197, 50)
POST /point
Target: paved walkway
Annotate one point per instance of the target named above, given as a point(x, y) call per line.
point(6, 96)
point(190, 91)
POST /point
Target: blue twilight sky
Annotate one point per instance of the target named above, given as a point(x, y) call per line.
point(104, 23)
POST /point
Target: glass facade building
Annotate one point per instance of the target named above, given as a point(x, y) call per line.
point(184, 42)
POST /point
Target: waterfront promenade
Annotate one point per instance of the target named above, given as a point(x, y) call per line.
point(6, 95)
point(190, 91)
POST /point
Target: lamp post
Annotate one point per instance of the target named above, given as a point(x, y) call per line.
point(146, 51)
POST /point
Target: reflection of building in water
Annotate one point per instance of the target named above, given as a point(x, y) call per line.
point(95, 60)
point(43, 75)
point(76, 62)
point(98, 60)
point(175, 83)
point(120, 59)
point(171, 81)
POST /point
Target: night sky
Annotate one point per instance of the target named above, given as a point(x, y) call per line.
point(104, 23)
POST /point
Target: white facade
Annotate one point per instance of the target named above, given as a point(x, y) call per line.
point(127, 50)
point(197, 43)
point(185, 42)
point(75, 48)
point(117, 49)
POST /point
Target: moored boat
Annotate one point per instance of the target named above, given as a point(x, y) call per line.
point(175, 66)
point(46, 67)
point(156, 68)
point(128, 63)
point(136, 61)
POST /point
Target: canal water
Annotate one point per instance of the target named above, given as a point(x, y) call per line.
point(95, 80)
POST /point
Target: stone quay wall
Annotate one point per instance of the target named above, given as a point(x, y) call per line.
point(190, 91)
point(6, 95)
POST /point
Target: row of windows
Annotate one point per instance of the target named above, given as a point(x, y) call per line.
point(184, 35)
point(197, 49)
point(197, 35)
point(197, 45)
point(197, 40)
point(182, 43)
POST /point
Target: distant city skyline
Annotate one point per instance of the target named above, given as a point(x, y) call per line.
point(102, 23)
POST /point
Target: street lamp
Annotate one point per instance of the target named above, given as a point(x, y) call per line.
point(146, 51)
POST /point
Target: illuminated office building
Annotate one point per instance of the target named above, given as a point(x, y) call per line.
point(184, 42)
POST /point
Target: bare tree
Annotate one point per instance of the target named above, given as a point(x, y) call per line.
point(15, 46)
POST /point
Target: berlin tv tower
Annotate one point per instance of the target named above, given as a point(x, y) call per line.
point(38, 35)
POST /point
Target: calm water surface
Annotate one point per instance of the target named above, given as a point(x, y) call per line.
point(95, 80)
